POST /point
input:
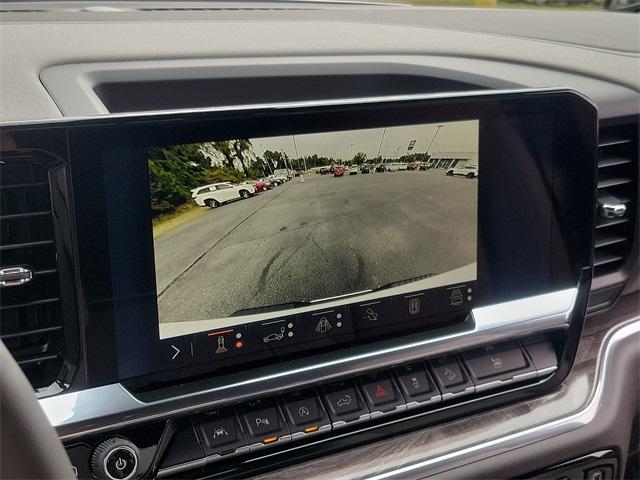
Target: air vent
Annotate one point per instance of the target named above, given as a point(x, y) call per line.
point(616, 210)
point(31, 320)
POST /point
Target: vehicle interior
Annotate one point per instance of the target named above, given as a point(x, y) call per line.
point(320, 239)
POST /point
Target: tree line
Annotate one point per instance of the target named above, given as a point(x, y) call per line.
point(174, 171)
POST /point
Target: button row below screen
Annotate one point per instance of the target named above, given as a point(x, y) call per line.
point(264, 422)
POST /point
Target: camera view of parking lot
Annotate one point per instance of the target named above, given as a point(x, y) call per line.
point(277, 222)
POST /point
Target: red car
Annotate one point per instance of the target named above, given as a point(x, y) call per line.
point(338, 171)
point(261, 186)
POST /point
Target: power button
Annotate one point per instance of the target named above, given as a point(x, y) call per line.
point(121, 463)
point(115, 459)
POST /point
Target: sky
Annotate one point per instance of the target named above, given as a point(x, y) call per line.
point(452, 137)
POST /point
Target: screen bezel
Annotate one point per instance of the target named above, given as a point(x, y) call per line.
point(566, 253)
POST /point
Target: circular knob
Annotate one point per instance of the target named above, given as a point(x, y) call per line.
point(115, 459)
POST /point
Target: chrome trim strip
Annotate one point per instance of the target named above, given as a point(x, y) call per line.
point(182, 467)
point(379, 413)
point(446, 396)
point(169, 114)
point(111, 406)
point(626, 333)
point(431, 401)
point(322, 428)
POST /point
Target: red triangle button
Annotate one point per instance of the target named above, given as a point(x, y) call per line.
point(380, 391)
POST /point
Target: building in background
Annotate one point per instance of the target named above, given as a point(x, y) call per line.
point(446, 160)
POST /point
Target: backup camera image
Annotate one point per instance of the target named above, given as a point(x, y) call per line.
point(254, 225)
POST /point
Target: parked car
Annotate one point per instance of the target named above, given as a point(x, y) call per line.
point(380, 168)
point(353, 170)
point(218, 193)
point(412, 166)
point(402, 166)
point(338, 171)
point(365, 168)
point(277, 179)
point(283, 172)
point(468, 171)
point(260, 185)
point(424, 166)
point(324, 170)
point(392, 167)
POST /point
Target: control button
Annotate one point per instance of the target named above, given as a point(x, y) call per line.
point(543, 356)
point(179, 350)
point(79, 456)
point(344, 403)
point(381, 393)
point(263, 422)
point(276, 333)
point(450, 376)
point(326, 323)
point(183, 447)
point(221, 344)
point(414, 305)
point(495, 361)
point(115, 459)
point(220, 432)
point(453, 297)
point(416, 385)
point(599, 473)
point(305, 413)
point(373, 313)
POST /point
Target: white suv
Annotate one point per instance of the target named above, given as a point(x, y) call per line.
point(469, 171)
point(217, 193)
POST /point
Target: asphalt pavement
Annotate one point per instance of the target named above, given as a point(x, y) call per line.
point(321, 238)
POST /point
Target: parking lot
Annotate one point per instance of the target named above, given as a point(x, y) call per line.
point(317, 239)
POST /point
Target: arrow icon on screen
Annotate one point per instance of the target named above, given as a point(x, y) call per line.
point(177, 352)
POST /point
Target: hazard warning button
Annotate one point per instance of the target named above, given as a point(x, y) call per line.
point(381, 393)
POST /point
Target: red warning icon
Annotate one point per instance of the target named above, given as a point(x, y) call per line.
point(380, 391)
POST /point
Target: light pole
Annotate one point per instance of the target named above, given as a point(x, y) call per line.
point(287, 162)
point(433, 140)
point(265, 160)
point(384, 132)
point(295, 146)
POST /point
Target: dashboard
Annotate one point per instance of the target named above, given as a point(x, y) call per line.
point(326, 254)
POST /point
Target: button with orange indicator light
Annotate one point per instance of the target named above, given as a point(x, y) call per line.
point(263, 423)
point(304, 412)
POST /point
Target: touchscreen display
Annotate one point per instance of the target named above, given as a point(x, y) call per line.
point(252, 229)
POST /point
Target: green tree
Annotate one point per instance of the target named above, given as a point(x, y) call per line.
point(173, 172)
point(226, 149)
point(276, 159)
point(239, 148)
point(359, 158)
